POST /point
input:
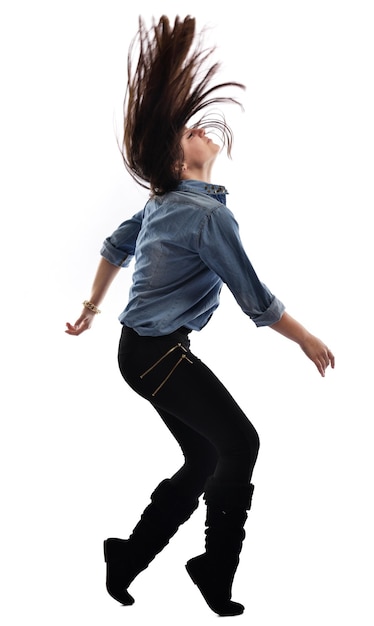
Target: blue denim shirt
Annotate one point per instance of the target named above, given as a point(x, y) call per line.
point(186, 245)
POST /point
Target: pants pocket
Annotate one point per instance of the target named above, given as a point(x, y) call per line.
point(182, 351)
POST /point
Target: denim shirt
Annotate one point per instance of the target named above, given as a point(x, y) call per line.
point(186, 244)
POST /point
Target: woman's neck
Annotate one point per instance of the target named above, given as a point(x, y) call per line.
point(203, 174)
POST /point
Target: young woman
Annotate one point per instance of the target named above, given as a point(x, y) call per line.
point(186, 245)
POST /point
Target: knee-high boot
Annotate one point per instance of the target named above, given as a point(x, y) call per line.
point(125, 559)
point(213, 572)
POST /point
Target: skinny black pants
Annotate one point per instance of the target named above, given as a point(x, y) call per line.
point(214, 434)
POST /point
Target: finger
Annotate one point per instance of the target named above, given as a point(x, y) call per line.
point(79, 327)
point(332, 358)
point(321, 368)
point(72, 327)
point(73, 330)
point(326, 359)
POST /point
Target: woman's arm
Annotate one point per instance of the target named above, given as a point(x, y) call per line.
point(313, 347)
point(104, 277)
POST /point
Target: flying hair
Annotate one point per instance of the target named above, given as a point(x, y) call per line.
point(169, 82)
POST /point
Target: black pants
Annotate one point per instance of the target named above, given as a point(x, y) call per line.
point(213, 432)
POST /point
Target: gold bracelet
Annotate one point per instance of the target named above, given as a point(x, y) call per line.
point(92, 307)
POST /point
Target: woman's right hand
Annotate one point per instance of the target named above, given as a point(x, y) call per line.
point(84, 322)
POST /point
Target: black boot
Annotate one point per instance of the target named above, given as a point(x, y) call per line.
point(125, 559)
point(213, 572)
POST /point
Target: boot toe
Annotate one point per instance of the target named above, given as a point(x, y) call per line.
point(116, 571)
point(121, 595)
point(202, 575)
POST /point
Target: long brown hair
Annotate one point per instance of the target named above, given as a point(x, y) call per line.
point(167, 88)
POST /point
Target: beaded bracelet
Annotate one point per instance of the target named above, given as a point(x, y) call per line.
point(92, 307)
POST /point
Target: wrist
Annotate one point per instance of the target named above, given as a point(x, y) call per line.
point(91, 307)
point(305, 338)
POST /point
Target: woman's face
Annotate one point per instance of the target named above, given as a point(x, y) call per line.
point(199, 151)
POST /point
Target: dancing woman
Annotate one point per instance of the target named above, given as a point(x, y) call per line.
point(186, 244)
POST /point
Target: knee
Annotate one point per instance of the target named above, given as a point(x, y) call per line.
point(250, 442)
point(247, 447)
point(255, 441)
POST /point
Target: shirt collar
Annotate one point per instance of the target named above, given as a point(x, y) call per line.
point(218, 191)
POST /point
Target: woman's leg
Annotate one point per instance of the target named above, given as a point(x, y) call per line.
point(125, 559)
point(176, 382)
point(200, 457)
point(172, 503)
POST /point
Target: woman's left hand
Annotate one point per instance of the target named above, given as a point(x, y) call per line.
point(318, 352)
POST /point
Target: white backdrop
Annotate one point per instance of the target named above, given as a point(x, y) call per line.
point(74, 465)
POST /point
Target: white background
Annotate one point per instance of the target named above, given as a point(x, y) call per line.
point(74, 465)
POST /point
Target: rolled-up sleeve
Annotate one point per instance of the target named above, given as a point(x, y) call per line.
point(221, 249)
point(119, 248)
point(272, 314)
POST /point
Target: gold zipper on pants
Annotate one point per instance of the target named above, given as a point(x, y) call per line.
point(182, 357)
